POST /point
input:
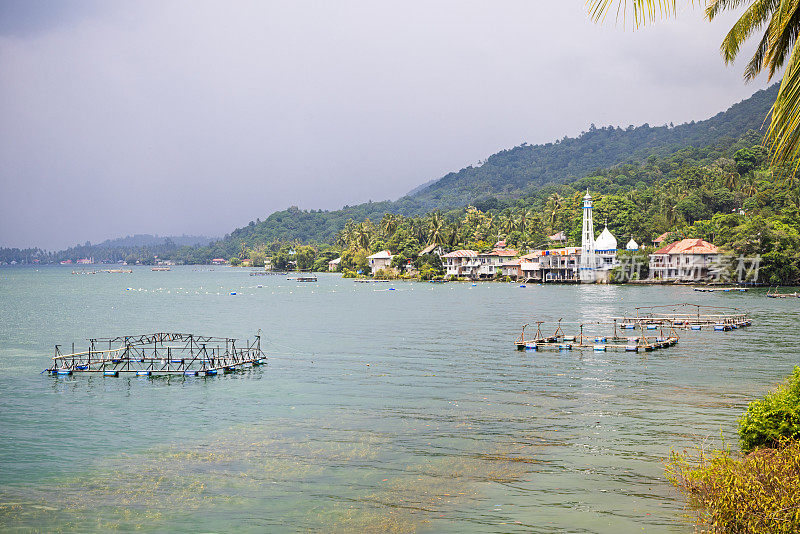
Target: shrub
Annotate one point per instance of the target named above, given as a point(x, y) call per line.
point(776, 417)
point(757, 493)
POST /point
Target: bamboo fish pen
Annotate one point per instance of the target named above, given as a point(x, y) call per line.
point(559, 340)
point(159, 354)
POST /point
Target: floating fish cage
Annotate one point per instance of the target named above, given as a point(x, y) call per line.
point(160, 354)
point(686, 316)
point(560, 341)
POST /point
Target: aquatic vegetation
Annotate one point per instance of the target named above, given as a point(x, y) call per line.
point(756, 493)
point(364, 482)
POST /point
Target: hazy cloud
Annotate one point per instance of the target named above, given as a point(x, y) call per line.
point(196, 117)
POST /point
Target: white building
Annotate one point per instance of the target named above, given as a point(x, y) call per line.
point(689, 260)
point(461, 263)
point(333, 265)
point(632, 245)
point(491, 262)
point(379, 260)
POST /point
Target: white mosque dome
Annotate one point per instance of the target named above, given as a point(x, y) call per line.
point(632, 245)
point(605, 241)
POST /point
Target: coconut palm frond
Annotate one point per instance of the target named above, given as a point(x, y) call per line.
point(784, 130)
point(640, 12)
point(751, 20)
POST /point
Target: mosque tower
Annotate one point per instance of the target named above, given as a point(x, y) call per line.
point(588, 260)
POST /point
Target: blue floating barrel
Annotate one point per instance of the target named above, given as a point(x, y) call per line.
point(565, 346)
point(190, 373)
point(531, 346)
point(599, 348)
point(652, 326)
point(628, 326)
point(719, 327)
point(696, 327)
point(142, 373)
point(63, 372)
point(81, 367)
point(631, 348)
point(230, 369)
point(176, 361)
point(599, 340)
point(233, 292)
point(110, 373)
point(211, 372)
point(522, 285)
point(569, 338)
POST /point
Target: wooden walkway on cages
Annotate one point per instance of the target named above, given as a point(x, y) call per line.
point(687, 316)
point(558, 340)
point(160, 354)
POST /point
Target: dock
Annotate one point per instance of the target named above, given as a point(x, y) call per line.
point(157, 354)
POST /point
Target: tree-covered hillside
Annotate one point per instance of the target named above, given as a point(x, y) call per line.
point(520, 170)
point(510, 174)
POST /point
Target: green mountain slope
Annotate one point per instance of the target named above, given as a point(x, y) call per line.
point(522, 169)
point(514, 173)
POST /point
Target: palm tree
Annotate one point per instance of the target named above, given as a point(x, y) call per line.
point(436, 228)
point(389, 224)
point(775, 49)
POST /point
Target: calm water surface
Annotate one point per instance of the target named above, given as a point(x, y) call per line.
point(405, 410)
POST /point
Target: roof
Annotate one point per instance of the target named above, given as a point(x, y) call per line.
point(632, 245)
point(461, 254)
point(559, 236)
point(337, 260)
point(605, 241)
point(689, 246)
point(513, 262)
point(501, 252)
point(427, 250)
point(500, 244)
point(661, 238)
point(382, 255)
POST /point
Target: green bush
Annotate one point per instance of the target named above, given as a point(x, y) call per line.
point(771, 420)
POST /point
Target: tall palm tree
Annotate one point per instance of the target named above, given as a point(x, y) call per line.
point(436, 228)
point(778, 47)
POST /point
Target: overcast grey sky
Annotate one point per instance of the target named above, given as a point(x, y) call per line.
point(196, 117)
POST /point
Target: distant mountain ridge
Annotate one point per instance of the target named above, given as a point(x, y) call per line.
point(146, 240)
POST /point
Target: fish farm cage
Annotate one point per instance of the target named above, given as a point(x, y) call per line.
point(559, 340)
point(686, 316)
point(160, 354)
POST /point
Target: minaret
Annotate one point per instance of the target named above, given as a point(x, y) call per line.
point(588, 261)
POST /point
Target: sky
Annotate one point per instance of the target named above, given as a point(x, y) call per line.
point(195, 117)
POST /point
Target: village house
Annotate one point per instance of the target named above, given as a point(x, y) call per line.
point(689, 260)
point(512, 269)
point(433, 248)
point(553, 265)
point(461, 263)
point(491, 262)
point(219, 261)
point(379, 260)
point(333, 265)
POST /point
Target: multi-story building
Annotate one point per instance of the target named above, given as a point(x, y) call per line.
point(689, 260)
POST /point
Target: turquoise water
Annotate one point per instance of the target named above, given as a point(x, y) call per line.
point(388, 411)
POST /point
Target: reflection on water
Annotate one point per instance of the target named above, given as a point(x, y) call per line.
point(389, 411)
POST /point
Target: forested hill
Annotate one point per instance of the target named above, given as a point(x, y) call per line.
point(523, 169)
point(516, 172)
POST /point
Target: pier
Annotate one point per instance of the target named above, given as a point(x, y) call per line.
point(160, 354)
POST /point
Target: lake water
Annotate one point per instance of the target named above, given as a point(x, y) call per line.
point(388, 411)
